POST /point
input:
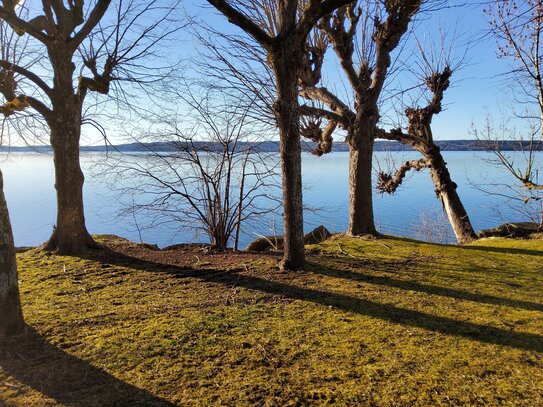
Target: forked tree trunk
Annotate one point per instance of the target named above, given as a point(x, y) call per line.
point(287, 116)
point(361, 220)
point(70, 236)
point(446, 191)
point(11, 316)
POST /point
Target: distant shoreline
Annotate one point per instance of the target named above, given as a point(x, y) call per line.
point(273, 146)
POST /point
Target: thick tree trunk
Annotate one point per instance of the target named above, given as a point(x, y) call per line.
point(11, 316)
point(70, 236)
point(446, 191)
point(287, 116)
point(361, 221)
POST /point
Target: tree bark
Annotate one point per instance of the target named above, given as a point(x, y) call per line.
point(70, 236)
point(11, 316)
point(286, 65)
point(361, 220)
point(446, 191)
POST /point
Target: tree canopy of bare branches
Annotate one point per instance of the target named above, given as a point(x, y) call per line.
point(518, 30)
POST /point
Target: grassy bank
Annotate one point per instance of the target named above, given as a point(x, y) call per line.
point(391, 322)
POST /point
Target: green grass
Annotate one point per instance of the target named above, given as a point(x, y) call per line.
point(389, 322)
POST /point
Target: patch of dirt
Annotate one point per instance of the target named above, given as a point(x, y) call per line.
point(189, 255)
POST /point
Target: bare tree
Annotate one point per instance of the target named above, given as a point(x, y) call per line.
point(368, 32)
point(518, 29)
point(281, 27)
point(518, 152)
point(11, 321)
point(211, 177)
point(420, 136)
point(85, 49)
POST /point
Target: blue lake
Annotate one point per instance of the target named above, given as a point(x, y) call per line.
point(413, 211)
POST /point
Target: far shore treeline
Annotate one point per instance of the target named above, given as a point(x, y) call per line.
point(273, 146)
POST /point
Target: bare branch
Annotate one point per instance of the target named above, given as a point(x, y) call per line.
point(7, 66)
point(389, 183)
point(96, 14)
point(242, 21)
point(21, 26)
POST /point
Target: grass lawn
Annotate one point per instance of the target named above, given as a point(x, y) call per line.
point(388, 322)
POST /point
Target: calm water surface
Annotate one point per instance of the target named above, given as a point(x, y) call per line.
point(29, 189)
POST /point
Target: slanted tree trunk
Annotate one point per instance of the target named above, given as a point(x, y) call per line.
point(11, 316)
point(446, 191)
point(70, 236)
point(419, 136)
point(361, 221)
point(286, 64)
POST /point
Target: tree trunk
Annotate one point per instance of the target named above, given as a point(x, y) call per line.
point(287, 113)
point(361, 221)
point(70, 236)
point(446, 191)
point(11, 316)
point(240, 202)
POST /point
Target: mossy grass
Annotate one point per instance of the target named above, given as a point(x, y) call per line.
point(387, 322)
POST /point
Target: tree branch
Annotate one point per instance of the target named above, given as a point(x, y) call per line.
point(335, 104)
point(306, 110)
point(389, 183)
point(9, 66)
point(94, 18)
point(242, 21)
point(314, 11)
point(40, 107)
point(21, 26)
point(396, 135)
point(342, 40)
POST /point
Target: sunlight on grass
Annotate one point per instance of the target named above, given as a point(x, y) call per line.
point(386, 322)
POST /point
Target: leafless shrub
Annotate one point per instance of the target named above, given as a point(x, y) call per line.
point(212, 176)
point(433, 227)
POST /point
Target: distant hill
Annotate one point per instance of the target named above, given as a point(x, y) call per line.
point(273, 146)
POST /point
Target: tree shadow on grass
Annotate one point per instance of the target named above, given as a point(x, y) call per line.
point(386, 312)
point(35, 362)
point(506, 250)
point(488, 249)
point(426, 288)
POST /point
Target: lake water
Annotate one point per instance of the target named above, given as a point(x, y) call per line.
point(413, 211)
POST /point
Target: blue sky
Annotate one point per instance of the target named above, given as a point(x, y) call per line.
point(477, 87)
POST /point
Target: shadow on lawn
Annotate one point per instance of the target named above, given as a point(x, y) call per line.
point(34, 361)
point(426, 288)
point(391, 313)
point(488, 249)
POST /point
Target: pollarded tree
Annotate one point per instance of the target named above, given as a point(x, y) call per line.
point(84, 49)
point(11, 320)
point(377, 28)
point(283, 34)
point(420, 136)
